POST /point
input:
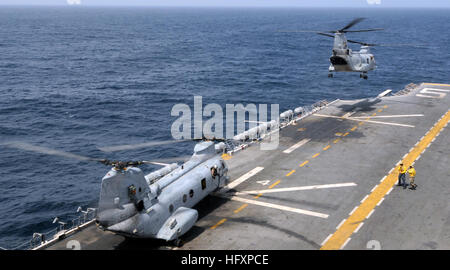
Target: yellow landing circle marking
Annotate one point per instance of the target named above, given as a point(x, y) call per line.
point(342, 235)
point(240, 208)
point(218, 223)
point(326, 147)
point(373, 114)
point(304, 163)
point(336, 141)
point(291, 172)
point(338, 134)
point(361, 123)
point(316, 155)
point(301, 129)
point(385, 106)
point(226, 156)
point(354, 128)
point(345, 134)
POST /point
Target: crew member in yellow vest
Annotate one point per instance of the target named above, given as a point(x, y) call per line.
point(412, 176)
point(402, 176)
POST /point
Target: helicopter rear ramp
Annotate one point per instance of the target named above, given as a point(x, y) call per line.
point(331, 183)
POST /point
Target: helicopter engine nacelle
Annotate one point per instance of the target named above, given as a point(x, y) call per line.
point(123, 194)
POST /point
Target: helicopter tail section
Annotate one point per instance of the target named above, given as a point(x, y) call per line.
point(123, 194)
point(178, 224)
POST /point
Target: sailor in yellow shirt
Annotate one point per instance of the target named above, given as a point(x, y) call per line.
point(412, 176)
point(402, 176)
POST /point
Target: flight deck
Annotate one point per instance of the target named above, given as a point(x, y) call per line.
point(330, 184)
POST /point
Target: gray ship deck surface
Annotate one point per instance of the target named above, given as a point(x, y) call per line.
point(352, 145)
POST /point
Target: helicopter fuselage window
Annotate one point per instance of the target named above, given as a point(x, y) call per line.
point(191, 193)
point(184, 198)
point(203, 183)
point(171, 208)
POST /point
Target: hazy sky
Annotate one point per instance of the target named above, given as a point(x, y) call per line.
point(255, 3)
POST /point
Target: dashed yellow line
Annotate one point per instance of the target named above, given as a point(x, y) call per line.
point(240, 208)
point(373, 114)
point(257, 196)
point(354, 128)
point(316, 155)
point(361, 123)
point(304, 163)
point(385, 106)
point(218, 223)
point(380, 110)
point(291, 172)
point(326, 147)
point(343, 233)
point(336, 141)
point(338, 134)
point(345, 134)
point(437, 84)
point(301, 129)
point(274, 184)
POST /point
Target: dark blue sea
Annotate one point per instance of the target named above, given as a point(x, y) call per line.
point(76, 78)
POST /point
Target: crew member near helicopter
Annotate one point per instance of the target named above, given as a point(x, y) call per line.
point(214, 171)
point(412, 176)
point(402, 176)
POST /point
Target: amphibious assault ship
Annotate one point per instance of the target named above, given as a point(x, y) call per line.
point(330, 184)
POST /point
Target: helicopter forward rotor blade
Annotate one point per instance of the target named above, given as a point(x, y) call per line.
point(355, 21)
point(364, 30)
point(361, 43)
point(137, 146)
point(324, 34)
point(44, 150)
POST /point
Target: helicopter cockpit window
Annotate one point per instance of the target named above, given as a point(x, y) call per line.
point(203, 183)
point(171, 208)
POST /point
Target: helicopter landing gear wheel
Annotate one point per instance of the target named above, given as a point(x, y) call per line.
point(330, 75)
point(364, 76)
point(177, 242)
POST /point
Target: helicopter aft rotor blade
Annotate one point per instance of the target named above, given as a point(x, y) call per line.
point(137, 146)
point(355, 21)
point(44, 150)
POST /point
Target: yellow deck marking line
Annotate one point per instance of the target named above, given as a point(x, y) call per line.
point(326, 147)
point(380, 110)
point(226, 156)
point(304, 163)
point(361, 123)
point(336, 141)
point(316, 155)
point(373, 114)
point(338, 134)
point(257, 196)
point(341, 236)
point(385, 106)
point(345, 134)
point(240, 208)
point(354, 128)
point(291, 172)
point(301, 129)
point(438, 84)
point(274, 184)
point(218, 223)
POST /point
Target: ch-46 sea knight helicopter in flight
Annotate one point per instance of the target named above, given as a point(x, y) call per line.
point(157, 205)
point(343, 59)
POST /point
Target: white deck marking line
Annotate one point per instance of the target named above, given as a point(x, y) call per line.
point(273, 190)
point(340, 224)
point(368, 121)
point(354, 209)
point(348, 114)
point(242, 179)
point(389, 191)
point(326, 239)
point(359, 227)
point(274, 206)
point(371, 212)
point(373, 188)
point(364, 198)
point(346, 242)
point(389, 116)
point(383, 178)
point(295, 146)
point(382, 199)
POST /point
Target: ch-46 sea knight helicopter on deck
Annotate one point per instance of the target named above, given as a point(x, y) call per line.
point(343, 59)
point(157, 205)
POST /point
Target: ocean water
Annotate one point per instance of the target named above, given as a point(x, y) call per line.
point(76, 78)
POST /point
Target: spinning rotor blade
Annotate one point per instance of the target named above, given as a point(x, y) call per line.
point(44, 150)
point(137, 146)
point(324, 34)
point(164, 161)
point(361, 43)
point(355, 21)
point(364, 30)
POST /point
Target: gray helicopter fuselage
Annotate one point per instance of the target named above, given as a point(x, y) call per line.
point(131, 206)
point(343, 59)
